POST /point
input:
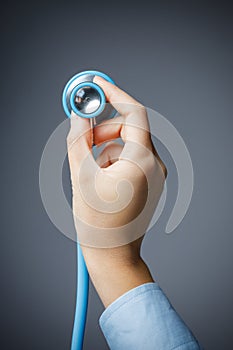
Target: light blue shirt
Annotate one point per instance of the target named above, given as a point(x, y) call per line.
point(143, 319)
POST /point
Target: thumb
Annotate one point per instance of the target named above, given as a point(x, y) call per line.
point(79, 141)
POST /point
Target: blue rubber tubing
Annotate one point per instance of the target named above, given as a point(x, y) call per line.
point(81, 302)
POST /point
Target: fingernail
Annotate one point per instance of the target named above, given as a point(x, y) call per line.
point(97, 79)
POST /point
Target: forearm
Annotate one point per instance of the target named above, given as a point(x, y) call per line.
point(114, 277)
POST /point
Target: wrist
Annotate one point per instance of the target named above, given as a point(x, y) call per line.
point(115, 276)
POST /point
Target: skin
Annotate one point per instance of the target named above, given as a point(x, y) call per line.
point(114, 270)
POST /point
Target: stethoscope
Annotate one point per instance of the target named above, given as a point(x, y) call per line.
point(86, 99)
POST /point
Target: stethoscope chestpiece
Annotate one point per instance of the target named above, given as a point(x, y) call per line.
point(85, 98)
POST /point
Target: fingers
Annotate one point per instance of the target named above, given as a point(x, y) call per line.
point(135, 126)
point(132, 125)
point(120, 100)
point(108, 130)
point(109, 155)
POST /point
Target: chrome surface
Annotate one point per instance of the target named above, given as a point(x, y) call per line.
point(87, 100)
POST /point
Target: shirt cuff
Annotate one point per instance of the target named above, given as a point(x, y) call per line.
point(143, 318)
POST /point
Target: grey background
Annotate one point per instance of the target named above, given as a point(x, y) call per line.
point(174, 57)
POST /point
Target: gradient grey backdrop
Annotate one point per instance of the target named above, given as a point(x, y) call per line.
point(175, 58)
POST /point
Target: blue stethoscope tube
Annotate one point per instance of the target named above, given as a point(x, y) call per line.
point(82, 273)
point(81, 302)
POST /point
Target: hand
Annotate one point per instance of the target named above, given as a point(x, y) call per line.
point(115, 196)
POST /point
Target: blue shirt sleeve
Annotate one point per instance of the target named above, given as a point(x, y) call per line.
point(143, 319)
